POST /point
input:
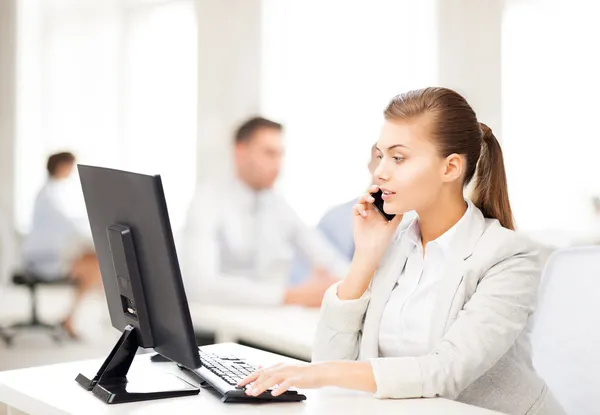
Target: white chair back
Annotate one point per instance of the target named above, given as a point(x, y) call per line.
point(566, 334)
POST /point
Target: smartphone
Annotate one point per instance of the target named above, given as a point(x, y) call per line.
point(379, 205)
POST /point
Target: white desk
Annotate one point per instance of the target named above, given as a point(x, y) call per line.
point(287, 330)
point(52, 390)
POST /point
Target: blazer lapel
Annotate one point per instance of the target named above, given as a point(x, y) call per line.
point(445, 293)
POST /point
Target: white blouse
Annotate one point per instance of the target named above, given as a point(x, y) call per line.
point(406, 320)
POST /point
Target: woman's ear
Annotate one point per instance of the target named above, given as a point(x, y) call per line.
point(454, 167)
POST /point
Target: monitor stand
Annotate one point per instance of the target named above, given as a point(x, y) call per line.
point(112, 386)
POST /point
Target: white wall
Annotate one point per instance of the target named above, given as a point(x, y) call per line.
point(7, 106)
point(229, 64)
point(469, 55)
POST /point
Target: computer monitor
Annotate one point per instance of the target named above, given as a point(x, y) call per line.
point(142, 281)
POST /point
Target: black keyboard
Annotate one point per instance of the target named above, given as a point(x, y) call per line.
point(223, 373)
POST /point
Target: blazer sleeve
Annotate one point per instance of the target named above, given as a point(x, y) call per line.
point(340, 326)
point(484, 331)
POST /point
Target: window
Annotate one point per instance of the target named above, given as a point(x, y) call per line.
point(114, 82)
point(550, 106)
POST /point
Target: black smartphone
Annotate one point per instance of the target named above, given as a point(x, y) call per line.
point(379, 205)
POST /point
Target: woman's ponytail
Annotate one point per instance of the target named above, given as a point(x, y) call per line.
point(490, 191)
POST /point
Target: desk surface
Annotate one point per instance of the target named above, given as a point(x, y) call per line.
point(287, 330)
point(51, 390)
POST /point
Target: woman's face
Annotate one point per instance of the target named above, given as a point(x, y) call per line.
point(411, 172)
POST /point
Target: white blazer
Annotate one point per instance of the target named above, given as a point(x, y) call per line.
point(480, 327)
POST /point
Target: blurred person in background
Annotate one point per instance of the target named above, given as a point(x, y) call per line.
point(59, 244)
point(241, 236)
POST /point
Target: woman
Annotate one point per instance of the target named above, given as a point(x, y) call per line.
point(443, 308)
point(60, 242)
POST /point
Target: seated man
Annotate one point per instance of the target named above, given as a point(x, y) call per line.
point(59, 243)
point(241, 236)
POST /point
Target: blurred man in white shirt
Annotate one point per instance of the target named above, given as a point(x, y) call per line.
point(241, 236)
point(60, 242)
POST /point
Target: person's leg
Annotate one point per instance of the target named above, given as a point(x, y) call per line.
point(85, 272)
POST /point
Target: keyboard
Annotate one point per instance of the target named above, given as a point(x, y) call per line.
point(223, 373)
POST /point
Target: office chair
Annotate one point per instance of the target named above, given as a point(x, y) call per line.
point(32, 282)
point(566, 329)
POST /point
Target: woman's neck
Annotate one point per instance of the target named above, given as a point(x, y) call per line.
point(440, 218)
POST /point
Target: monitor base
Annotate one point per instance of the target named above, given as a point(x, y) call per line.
point(112, 386)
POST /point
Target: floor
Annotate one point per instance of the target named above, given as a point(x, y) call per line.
point(37, 348)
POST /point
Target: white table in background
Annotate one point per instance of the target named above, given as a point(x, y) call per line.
point(286, 330)
point(52, 390)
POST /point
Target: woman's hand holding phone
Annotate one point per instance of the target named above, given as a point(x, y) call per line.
point(372, 235)
point(372, 231)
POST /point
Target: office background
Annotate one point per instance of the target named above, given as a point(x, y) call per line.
point(157, 86)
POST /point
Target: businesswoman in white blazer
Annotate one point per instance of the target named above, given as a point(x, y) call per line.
point(443, 308)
